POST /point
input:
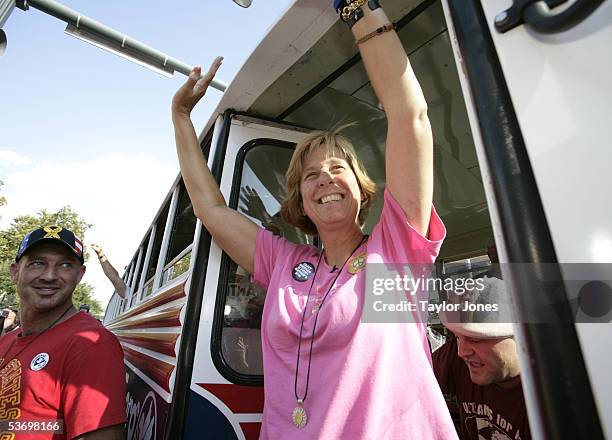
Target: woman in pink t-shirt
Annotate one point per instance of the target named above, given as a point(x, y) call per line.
point(327, 374)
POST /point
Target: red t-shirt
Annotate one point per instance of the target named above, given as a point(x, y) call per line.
point(73, 373)
point(487, 412)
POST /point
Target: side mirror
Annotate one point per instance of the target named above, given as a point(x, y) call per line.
point(243, 3)
point(2, 42)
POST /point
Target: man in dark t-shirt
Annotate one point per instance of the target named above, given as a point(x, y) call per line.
point(480, 366)
point(493, 410)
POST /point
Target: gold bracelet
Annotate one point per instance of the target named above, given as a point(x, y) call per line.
point(347, 11)
point(381, 30)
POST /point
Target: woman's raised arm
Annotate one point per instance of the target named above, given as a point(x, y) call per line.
point(234, 232)
point(409, 149)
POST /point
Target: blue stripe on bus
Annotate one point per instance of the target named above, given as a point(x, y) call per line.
point(205, 420)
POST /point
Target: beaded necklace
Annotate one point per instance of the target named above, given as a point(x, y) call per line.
point(299, 415)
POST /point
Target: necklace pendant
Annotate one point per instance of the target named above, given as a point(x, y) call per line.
point(316, 306)
point(299, 416)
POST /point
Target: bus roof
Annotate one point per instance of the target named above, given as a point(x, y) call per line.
point(280, 70)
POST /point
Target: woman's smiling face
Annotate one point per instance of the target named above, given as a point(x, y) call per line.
point(330, 192)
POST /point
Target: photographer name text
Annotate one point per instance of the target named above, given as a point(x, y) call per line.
point(426, 306)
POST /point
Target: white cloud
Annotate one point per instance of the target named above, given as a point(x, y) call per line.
point(9, 158)
point(119, 194)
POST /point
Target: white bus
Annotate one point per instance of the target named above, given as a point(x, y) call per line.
point(519, 100)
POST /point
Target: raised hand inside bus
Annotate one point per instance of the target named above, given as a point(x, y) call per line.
point(252, 205)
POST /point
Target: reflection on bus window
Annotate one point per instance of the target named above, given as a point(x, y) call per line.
point(241, 344)
point(134, 285)
point(148, 288)
point(178, 267)
point(477, 266)
point(181, 238)
point(467, 267)
point(261, 192)
point(157, 242)
point(138, 273)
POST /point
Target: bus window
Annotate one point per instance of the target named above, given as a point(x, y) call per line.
point(160, 225)
point(262, 164)
point(449, 270)
point(126, 278)
point(468, 267)
point(136, 278)
point(178, 257)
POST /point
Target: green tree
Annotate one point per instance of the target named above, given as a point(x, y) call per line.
point(5, 280)
point(11, 237)
point(2, 198)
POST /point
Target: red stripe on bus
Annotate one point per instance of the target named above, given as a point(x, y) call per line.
point(158, 371)
point(238, 398)
point(163, 347)
point(159, 299)
point(251, 430)
point(168, 318)
point(169, 295)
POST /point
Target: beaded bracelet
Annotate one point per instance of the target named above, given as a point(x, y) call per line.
point(381, 30)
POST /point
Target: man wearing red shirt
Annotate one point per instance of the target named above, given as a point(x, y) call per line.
point(62, 373)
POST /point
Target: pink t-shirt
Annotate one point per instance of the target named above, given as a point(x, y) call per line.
point(367, 381)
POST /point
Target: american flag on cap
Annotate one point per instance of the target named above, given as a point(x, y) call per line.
point(78, 245)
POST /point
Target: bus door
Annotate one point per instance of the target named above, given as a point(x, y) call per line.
point(536, 77)
point(249, 157)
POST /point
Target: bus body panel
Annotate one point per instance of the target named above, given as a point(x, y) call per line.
point(560, 88)
point(240, 405)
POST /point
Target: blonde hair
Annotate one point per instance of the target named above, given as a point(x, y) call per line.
point(335, 145)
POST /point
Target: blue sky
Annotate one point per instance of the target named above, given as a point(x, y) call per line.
point(84, 127)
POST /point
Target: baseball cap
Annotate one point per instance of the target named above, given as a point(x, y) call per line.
point(483, 311)
point(52, 234)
